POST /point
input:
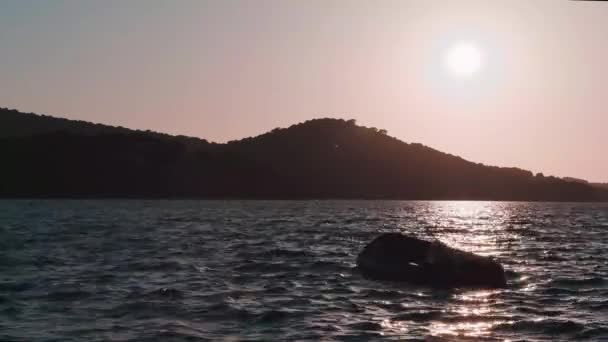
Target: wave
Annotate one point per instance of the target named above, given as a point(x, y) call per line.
point(577, 283)
point(265, 267)
point(278, 253)
point(66, 295)
point(539, 311)
point(382, 294)
point(419, 316)
point(365, 326)
point(272, 316)
point(226, 310)
point(16, 287)
point(145, 308)
point(154, 265)
point(165, 293)
point(548, 326)
point(327, 266)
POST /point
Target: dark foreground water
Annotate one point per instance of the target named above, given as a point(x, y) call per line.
point(278, 271)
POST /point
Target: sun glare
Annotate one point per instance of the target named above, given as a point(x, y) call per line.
point(463, 59)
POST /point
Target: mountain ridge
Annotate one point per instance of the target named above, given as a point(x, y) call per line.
point(320, 158)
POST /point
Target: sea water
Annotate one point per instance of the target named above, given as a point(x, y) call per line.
point(133, 270)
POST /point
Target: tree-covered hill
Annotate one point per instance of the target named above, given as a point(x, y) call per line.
point(322, 158)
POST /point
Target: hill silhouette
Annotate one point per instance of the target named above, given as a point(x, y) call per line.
point(600, 185)
point(323, 158)
point(17, 124)
point(577, 180)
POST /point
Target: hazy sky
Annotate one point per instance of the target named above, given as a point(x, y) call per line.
point(224, 70)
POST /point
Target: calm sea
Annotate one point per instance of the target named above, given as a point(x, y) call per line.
point(284, 270)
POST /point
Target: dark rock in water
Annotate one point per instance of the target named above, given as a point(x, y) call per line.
point(397, 257)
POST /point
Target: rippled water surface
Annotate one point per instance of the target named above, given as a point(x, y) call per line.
point(282, 270)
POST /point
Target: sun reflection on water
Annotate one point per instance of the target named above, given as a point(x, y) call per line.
point(393, 327)
point(464, 329)
point(470, 315)
point(482, 228)
point(478, 227)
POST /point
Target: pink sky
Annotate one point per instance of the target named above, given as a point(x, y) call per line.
point(224, 70)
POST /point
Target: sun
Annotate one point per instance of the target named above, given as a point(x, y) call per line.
point(463, 59)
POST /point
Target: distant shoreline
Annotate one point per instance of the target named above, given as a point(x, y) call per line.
point(320, 159)
point(244, 199)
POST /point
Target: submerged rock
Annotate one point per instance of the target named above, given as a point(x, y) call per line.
point(397, 257)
